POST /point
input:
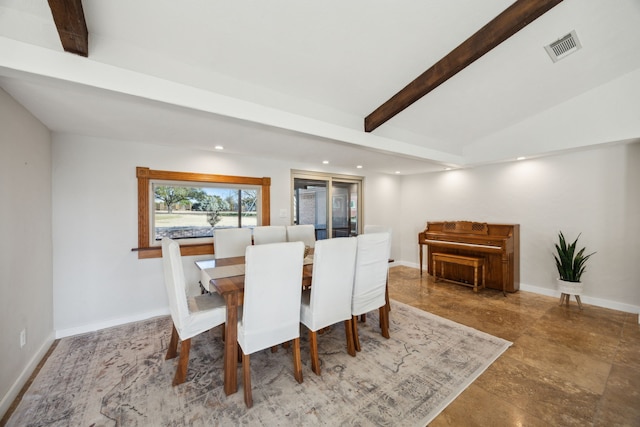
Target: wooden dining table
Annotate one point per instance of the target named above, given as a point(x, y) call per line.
point(231, 288)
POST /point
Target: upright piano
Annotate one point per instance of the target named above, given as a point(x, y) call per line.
point(497, 244)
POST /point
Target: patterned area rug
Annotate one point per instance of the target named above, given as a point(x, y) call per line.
point(118, 377)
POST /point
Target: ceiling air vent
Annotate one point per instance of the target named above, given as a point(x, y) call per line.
point(563, 47)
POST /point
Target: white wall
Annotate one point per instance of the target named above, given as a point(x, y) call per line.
point(98, 281)
point(593, 192)
point(382, 206)
point(26, 300)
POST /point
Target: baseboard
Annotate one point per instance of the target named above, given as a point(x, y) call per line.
point(599, 302)
point(15, 389)
point(61, 333)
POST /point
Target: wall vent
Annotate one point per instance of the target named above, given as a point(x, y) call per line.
point(563, 47)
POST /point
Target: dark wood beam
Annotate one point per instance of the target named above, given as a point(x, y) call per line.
point(72, 28)
point(509, 22)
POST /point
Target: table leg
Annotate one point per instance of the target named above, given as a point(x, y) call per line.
point(230, 345)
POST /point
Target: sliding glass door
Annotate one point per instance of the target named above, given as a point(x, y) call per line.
point(332, 203)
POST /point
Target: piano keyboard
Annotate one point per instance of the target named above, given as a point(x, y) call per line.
point(466, 245)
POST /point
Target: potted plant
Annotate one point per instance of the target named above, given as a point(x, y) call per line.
point(571, 265)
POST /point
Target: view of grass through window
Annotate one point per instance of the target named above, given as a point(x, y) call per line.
point(183, 212)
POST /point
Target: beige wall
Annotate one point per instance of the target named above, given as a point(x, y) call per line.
point(25, 246)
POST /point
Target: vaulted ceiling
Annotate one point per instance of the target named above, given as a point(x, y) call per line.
point(295, 80)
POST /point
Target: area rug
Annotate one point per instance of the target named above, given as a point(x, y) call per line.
point(118, 377)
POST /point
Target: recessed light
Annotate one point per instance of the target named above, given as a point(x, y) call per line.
point(397, 171)
point(520, 158)
point(359, 166)
point(325, 162)
point(219, 147)
point(447, 169)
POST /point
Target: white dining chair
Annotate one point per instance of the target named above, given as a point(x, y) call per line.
point(305, 233)
point(370, 281)
point(231, 242)
point(227, 243)
point(329, 299)
point(271, 308)
point(190, 315)
point(269, 234)
point(373, 228)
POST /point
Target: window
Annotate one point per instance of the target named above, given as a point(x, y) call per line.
point(193, 212)
point(189, 206)
point(332, 203)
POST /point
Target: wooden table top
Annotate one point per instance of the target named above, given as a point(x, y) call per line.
point(225, 285)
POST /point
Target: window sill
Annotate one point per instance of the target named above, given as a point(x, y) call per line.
point(185, 250)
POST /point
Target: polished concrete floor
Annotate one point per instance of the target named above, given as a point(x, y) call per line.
point(566, 367)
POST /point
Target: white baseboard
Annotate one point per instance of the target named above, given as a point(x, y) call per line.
point(599, 302)
point(61, 333)
point(13, 392)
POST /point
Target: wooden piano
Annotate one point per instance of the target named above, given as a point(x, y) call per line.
point(497, 244)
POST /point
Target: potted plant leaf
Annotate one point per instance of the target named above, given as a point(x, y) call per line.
point(571, 265)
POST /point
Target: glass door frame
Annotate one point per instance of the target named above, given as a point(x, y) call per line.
point(329, 178)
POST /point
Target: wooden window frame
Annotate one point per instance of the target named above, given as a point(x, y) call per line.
point(146, 175)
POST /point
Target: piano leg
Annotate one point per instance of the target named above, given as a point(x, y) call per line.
point(505, 275)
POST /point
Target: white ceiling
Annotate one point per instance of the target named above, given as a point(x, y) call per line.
point(294, 80)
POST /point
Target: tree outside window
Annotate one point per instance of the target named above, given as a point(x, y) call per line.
point(183, 212)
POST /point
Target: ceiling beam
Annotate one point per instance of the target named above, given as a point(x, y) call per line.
point(72, 28)
point(509, 22)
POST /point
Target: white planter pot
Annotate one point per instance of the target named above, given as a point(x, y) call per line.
point(570, 288)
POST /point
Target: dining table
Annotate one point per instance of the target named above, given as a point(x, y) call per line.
point(226, 276)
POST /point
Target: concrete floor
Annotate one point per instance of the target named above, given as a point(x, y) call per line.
point(567, 367)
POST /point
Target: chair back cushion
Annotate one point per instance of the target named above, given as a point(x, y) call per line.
point(334, 262)
point(231, 242)
point(174, 282)
point(372, 263)
point(269, 234)
point(305, 233)
point(370, 228)
point(272, 290)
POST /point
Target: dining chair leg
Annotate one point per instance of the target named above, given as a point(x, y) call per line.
point(363, 318)
point(274, 349)
point(183, 362)
point(313, 345)
point(384, 321)
point(356, 339)
point(348, 329)
point(246, 380)
point(172, 351)
point(297, 361)
point(386, 295)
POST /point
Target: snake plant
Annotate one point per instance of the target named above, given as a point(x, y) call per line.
point(570, 264)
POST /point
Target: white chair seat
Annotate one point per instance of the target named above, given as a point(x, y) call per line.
point(190, 315)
